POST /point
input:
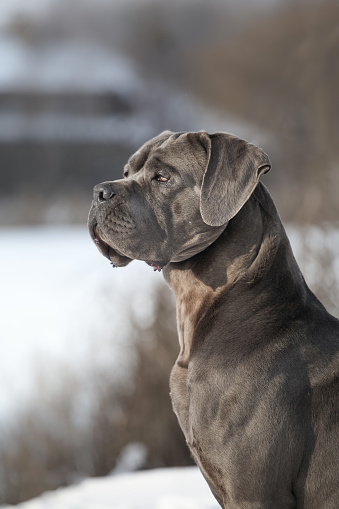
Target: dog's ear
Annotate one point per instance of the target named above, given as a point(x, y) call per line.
point(233, 170)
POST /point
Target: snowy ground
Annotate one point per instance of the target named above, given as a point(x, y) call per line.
point(56, 294)
point(170, 488)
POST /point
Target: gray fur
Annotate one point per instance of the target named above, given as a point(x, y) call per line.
point(256, 384)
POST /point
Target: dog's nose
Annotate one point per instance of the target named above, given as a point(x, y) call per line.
point(104, 191)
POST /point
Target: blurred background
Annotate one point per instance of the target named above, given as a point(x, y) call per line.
point(86, 351)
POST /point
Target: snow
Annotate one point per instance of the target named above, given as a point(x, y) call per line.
point(169, 488)
point(56, 294)
point(50, 69)
point(88, 66)
point(67, 66)
point(9, 9)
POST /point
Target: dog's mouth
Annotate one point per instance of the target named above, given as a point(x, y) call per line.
point(102, 246)
point(116, 258)
point(99, 242)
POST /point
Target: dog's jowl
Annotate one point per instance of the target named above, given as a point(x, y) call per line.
point(256, 384)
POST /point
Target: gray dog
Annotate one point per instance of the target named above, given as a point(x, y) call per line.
point(256, 384)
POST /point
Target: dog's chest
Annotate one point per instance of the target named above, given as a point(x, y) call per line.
point(180, 396)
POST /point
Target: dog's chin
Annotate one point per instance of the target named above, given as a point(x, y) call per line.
point(117, 259)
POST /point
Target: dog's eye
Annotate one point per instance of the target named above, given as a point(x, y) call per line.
point(126, 174)
point(160, 178)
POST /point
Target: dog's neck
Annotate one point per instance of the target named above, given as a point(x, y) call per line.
point(242, 251)
point(198, 244)
point(244, 255)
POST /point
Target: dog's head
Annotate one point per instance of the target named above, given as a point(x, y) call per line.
point(178, 193)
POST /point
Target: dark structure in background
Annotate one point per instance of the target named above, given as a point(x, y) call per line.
point(53, 147)
point(93, 76)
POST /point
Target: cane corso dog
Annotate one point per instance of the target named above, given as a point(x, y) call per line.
point(256, 383)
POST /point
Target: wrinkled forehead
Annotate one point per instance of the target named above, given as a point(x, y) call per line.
point(173, 150)
point(138, 160)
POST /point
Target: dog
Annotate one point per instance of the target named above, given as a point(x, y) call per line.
point(256, 384)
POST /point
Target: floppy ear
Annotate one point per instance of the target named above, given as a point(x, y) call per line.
point(233, 170)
